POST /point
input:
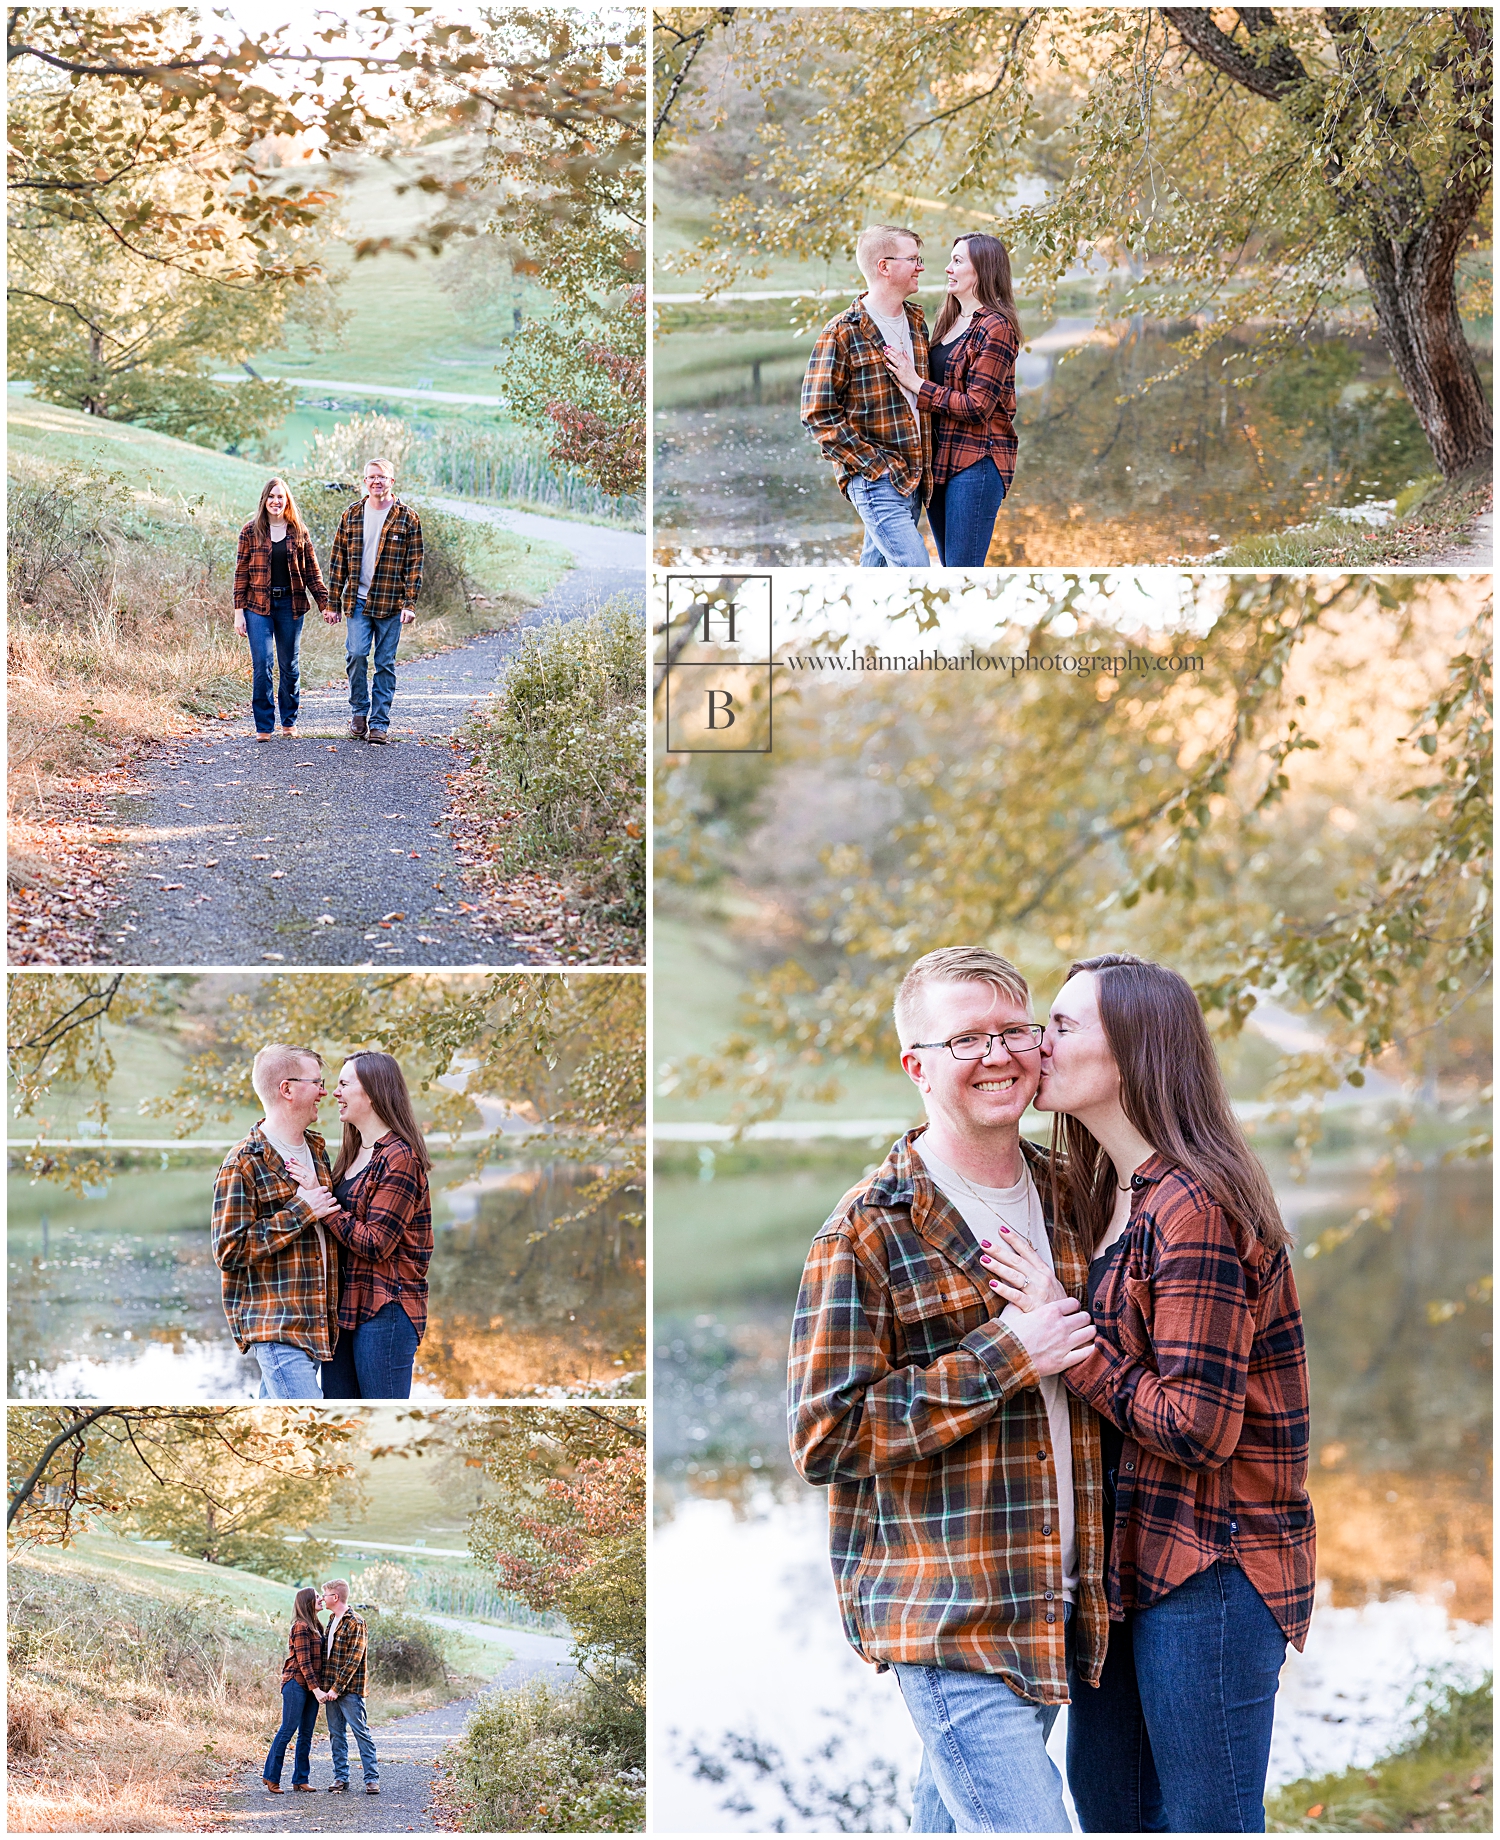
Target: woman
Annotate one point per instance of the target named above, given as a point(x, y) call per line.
point(275, 571)
point(1199, 1375)
point(382, 1217)
point(301, 1683)
point(970, 393)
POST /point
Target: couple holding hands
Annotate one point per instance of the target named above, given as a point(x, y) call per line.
point(323, 1667)
point(1059, 1399)
point(907, 420)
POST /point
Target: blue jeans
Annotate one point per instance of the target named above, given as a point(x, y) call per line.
point(346, 1714)
point(1177, 1735)
point(299, 1713)
point(985, 1768)
point(375, 1360)
point(286, 1372)
point(360, 635)
point(890, 521)
point(963, 512)
point(278, 632)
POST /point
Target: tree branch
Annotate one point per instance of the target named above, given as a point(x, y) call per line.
point(24, 1492)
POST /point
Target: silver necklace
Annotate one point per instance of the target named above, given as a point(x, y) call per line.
point(995, 1208)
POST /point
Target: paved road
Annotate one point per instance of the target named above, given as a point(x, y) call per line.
point(324, 851)
point(407, 1750)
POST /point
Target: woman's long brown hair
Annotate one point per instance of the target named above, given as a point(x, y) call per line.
point(305, 1609)
point(1173, 1092)
point(294, 524)
point(384, 1085)
point(991, 261)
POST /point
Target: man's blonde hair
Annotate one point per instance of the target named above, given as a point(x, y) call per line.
point(388, 467)
point(276, 1063)
point(953, 965)
point(341, 1585)
point(880, 240)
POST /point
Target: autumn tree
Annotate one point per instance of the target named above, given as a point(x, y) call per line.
point(1260, 168)
point(569, 1046)
point(567, 1532)
point(146, 144)
point(227, 1484)
point(574, 211)
point(1178, 812)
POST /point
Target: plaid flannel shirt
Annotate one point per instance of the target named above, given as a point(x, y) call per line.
point(1200, 1361)
point(919, 1411)
point(387, 1236)
point(252, 571)
point(281, 1284)
point(304, 1657)
point(973, 409)
point(344, 1657)
point(855, 411)
point(397, 578)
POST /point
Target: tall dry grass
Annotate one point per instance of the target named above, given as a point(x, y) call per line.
point(124, 1704)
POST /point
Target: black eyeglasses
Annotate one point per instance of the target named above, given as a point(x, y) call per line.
point(1019, 1039)
point(306, 1079)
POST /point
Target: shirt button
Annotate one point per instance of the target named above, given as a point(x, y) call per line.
point(1051, 1617)
point(1137, 1182)
point(1046, 1530)
point(1041, 1456)
point(1048, 1595)
point(1130, 1466)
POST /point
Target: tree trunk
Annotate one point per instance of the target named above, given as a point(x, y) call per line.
point(1416, 303)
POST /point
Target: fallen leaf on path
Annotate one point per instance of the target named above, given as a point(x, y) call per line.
point(210, 862)
point(280, 957)
point(263, 856)
point(304, 763)
point(277, 875)
point(325, 920)
point(167, 887)
point(393, 916)
point(294, 792)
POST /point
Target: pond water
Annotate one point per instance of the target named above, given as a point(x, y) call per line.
point(1106, 475)
point(104, 1306)
point(768, 1716)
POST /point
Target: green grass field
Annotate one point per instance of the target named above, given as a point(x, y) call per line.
point(159, 467)
point(403, 327)
point(260, 1603)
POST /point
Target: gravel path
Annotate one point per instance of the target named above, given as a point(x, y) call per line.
point(406, 1750)
point(324, 851)
point(1473, 548)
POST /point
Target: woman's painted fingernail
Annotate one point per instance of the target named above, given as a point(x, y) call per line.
point(985, 1243)
point(1005, 1230)
point(994, 1287)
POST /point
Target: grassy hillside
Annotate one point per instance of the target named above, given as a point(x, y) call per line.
point(403, 326)
point(139, 1680)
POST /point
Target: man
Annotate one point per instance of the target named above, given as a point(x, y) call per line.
point(376, 560)
point(344, 1696)
point(865, 423)
point(965, 1502)
point(280, 1267)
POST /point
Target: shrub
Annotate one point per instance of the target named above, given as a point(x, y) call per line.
point(565, 750)
point(403, 1651)
point(527, 1764)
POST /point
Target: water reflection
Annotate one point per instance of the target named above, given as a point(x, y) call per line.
point(95, 1296)
point(1398, 1326)
point(1105, 475)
